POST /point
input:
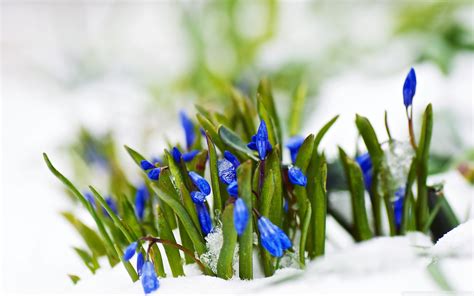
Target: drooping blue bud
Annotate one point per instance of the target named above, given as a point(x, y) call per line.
point(273, 239)
point(140, 262)
point(365, 164)
point(232, 158)
point(146, 165)
point(188, 127)
point(233, 189)
point(200, 183)
point(260, 142)
point(130, 251)
point(187, 157)
point(296, 176)
point(409, 88)
point(176, 155)
point(294, 144)
point(150, 281)
point(241, 216)
point(204, 218)
point(154, 174)
point(141, 196)
point(226, 171)
point(198, 197)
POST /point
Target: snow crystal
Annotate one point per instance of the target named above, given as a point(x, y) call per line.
point(398, 158)
point(214, 241)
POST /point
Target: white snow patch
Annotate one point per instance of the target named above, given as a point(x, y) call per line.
point(456, 243)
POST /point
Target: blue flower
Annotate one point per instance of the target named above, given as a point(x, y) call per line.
point(130, 251)
point(409, 88)
point(188, 127)
point(150, 281)
point(140, 262)
point(241, 216)
point(141, 196)
point(146, 165)
point(187, 157)
point(112, 205)
point(398, 205)
point(200, 183)
point(176, 154)
point(273, 239)
point(226, 171)
point(198, 197)
point(233, 189)
point(204, 218)
point(154, 174)
point(294, 144)
point(365, 164)
point(296, 176)
point(232, 158)
point(259, 141)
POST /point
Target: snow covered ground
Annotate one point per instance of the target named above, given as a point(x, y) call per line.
point(39, 114)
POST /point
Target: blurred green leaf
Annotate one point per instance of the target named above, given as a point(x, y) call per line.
point(244, 176)
point(224, 263)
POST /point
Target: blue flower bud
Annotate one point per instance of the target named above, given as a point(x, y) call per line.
point(232, 158)
point(130, 251)
point(141, 196)
point(146, 165)
point(296, 176)
point(365, 164)
point(154, 174)
point(188, 127)
point(226, 171)
point(409, 88)
point(294, 145)
point(198, 197)
point(204, 218)
point(273, 239)
point(150, 281)
point(398, 206)
point(241, 216)
point(260, 142)
point(176, 155)
point(233, 189)
point(140, 262)
point(200, 183)
point(187, 157)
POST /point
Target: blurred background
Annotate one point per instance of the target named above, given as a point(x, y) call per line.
point(126, 68)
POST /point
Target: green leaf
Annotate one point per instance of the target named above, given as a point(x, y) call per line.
point(407, 205)
point(302, 161)
point(356, 188)
point(296, 113)
point(304, 232)
point(422, 156)
point(323, 131)
point(224, 263)
point(74, 278)
point(267, 193)
point(243, 112)
point(318, 199)
point(234, 141)
point(174, 259)
point(271, 127)
point(244, 176)
point(273, 162)
point(212, 130)
point(137, 157)
point(264, 93)
point(110, 247)
point(216, 193)
point(157, 261)
point(89, 260)
point(90, 237)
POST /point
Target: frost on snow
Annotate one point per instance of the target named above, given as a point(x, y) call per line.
point(214, 241)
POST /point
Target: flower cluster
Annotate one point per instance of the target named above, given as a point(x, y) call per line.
point(145, 268)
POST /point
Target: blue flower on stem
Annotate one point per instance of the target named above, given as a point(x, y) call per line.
point(294, 144)
point(198, 197)
point(188, 156)
point(273, 239)
point(141, 196)
point(150, 281)
point(226, 171)
point(130, 251)
point(409, 88)
point(233, 189)
point(152, 169)
point(241, 215)
point(140, 262)
point(176, 154)
point(188, 127)
point(204, 218)
point(260, 142)
point(365, 164)
point(398, 206)
point(232, 158)
point(296, 176)
point(200, 183)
